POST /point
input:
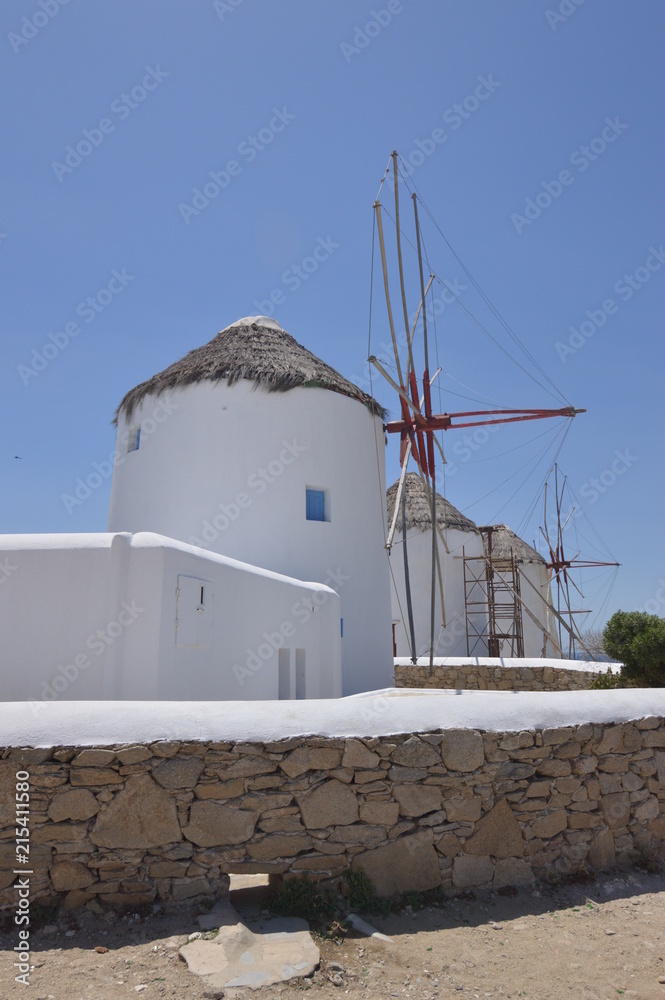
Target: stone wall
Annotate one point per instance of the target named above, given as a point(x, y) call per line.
point(453, 808)
point(483, 677)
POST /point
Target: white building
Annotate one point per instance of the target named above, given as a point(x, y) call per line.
point(458, 536)
point(538, 623)
point(246, 519)
point(143, 617)
point(470, 621)
point(252, 447)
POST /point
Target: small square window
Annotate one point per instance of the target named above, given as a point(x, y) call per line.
point(133, 439)
point(316, 505)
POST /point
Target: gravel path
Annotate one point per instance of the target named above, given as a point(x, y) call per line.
point(592, 941)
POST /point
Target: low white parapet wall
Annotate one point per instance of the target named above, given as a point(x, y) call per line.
point(133, 801)
point(488, 673)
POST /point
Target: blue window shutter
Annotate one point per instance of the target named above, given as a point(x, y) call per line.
point(316, 505)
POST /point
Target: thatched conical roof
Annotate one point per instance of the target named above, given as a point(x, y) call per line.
point(255, 348)
point(506, 543)
point(418, 511)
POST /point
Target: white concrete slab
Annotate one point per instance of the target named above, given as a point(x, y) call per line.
point(377, 713)
point(237, 956)
point(591, 666)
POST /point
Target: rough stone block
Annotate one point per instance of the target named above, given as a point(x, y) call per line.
point(179, 772)
point(601, 852)
point(93, 758)
point(380, 813)
point(280, 846)
point(553, 768)
point(417, 800)
point(449, 845)
point(67, 875)
point(616, 809)
point(407, 864)
point(77, 804)
point(498, 834)
point(95, 776)
point(356, 754)
point(548, 826)
point(220, 789)
point(583, 821)
point(133, 755)
point(168, 869)
point(471, 871)
point(310, 759)
point(415, 753)
point(462, 750)
point(332, 803)
point(142, 815)
point(513, 871)
point(647, 810)
point(459, 809)
point(212, 824)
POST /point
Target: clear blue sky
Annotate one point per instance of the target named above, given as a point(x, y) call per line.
point(335, 103)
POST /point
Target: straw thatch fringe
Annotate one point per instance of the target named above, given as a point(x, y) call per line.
point(263, 354)
point(506, 543)
point(418, 510)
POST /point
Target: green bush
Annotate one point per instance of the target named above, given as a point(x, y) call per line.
point(362, 895)
point(300, 897)
point(607, 679)
point(637, 640)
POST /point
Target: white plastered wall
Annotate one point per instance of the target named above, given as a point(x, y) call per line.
point(86, 617)
point(227, 468)
point(451, 639)
point(538, 600)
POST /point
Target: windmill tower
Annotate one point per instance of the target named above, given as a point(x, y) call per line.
point(508, 598)
point(411, 551)
point(418, 423)
point(561, 565)
point(252, 447)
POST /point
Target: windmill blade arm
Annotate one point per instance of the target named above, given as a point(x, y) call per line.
point(398, 498)
point(402, 478)
point(379, 367)
point(559, 618)
point(444, 421)
point(421, 305)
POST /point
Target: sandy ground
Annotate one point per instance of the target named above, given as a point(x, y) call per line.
point(592, 941)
